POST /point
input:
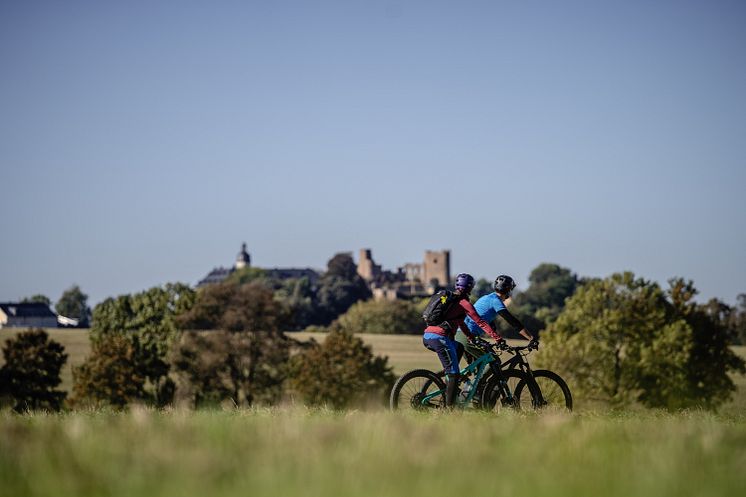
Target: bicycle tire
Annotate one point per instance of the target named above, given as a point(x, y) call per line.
point(553, 389)
point(411, 387)
point(496, 398)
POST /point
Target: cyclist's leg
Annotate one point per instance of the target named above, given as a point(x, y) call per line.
point(447, 351)
point(463, 343)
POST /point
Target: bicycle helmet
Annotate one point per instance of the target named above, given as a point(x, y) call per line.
point(504, 284)
point(464, 282)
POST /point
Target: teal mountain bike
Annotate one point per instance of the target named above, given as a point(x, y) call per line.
point(488, 383)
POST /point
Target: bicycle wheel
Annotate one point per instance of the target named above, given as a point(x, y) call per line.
point(500, 392)
point(411, 390)
point(554, 391)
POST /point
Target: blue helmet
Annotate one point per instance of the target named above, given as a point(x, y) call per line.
point(464, 282)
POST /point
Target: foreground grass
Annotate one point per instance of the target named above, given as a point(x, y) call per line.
point(296, 451)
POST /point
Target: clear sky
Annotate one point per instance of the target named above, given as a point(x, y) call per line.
point(141, 143)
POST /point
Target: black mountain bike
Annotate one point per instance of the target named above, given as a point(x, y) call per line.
point(488, 383)
point(538, 389)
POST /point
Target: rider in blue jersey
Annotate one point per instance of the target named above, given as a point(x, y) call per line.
point(489, 307)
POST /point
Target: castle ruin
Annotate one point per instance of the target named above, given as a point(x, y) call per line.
point(409, 280)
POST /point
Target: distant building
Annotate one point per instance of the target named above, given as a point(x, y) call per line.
point(281, 273)
point(243, 259)
point(437, 268)
point(27, 315)
point(366, 268)
point(217, 275)
point(409, 280)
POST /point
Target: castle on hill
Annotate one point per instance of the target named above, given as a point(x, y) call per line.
point(408, 281)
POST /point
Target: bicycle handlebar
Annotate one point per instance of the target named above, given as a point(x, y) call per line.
point(502, 345)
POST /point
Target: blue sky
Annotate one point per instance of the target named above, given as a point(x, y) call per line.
point(142, 143)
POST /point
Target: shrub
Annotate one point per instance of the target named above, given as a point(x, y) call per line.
point(243, 367)
point(341, 371)
point(111, 374)
point(32, 371)
point(382, 316)
point(148, 320)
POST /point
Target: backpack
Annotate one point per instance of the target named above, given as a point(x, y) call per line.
point(438, 306)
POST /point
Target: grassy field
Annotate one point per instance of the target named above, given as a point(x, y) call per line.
point(291, 451)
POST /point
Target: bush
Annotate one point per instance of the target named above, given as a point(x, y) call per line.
point(382, 316)
point(244, 367)
point(340, 372)
point(32, 371)
point(148, 320)
point(111, 374)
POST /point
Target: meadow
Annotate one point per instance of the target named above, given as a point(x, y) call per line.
point(293, 450)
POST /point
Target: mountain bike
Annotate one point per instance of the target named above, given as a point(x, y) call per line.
point(489, 383)
point(539, 389)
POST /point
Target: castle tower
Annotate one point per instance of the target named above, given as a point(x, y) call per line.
point(243, 259)
point(366, 268)
point(437, 267)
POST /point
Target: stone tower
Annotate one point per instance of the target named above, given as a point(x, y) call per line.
point(243, 259)
point(437, 267)
point(366, 268)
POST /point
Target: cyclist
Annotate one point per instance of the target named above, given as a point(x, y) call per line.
point(489, 307)
point(440, 338)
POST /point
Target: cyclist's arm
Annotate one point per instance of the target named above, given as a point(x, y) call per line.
point(472, 313)
point(515, 323)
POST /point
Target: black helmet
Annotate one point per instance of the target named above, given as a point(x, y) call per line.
point(504, 284)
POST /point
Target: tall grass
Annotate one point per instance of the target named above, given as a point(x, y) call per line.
point(297, 451)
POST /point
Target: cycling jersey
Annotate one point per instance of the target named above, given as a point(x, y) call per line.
point(455, 319)
point(489, 307)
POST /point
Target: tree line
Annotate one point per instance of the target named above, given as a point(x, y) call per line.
point(620, 340)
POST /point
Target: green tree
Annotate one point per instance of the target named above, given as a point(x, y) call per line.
point(339, 288)
point(243, 367)
point(298, 296)
point(247, 275)
point(382, 316)
point(74, 304)
point(343, 266)
point(148, 320)
point(737, 320)
point(544, 299)
point(481, 288)
point(32, 371)
point(111, 374)
point(340, 372)
point(711, 358)
point(245, 359)
point(37, 299)
point(623, 340)
point(231, 307)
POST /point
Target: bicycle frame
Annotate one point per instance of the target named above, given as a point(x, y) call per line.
point(478, 367)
